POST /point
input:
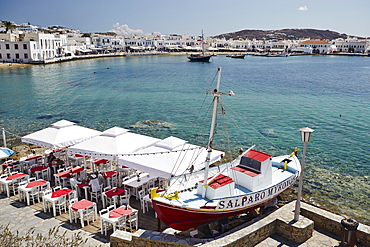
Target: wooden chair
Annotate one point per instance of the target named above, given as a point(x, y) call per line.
point(133, 220)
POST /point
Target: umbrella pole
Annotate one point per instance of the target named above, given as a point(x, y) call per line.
point(4, 138)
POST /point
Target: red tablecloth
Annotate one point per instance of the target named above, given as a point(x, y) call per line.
point(37, 168)
point(114, 192)
point(100, 161)
point(33, 157)
point(61, 192)
point(108, 174)
point(36, 183)
point(18, 175)
point(66, 173)
point(59, 150)
point(83, 184)
point(83, 204)
point(118, 212)
point(80, 155)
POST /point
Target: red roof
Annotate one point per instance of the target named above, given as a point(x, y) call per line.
point(257, 155)
point(315, 42)
point(245, 171)
point(219, 181)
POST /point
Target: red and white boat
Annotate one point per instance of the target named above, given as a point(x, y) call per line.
point(248, 182)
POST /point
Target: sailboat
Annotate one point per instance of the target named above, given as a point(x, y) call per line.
point(250, 181)
point(200, 57)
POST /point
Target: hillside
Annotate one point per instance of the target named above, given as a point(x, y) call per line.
point(283, 34)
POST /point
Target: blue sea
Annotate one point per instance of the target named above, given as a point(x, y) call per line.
point(274, 98)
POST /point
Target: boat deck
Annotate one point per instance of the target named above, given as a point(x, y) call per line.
point(188, 194)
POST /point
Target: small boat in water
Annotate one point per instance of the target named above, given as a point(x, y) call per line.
point(237, 56)
point(250, 181)
point(200, 57)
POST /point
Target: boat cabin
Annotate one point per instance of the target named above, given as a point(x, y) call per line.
point(254, 171)
point(219, 187)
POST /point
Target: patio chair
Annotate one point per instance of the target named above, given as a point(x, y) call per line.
point(132, 220)
point(34, 194)
point(61, 204)
point(72, 196)
point(143, 204)
point(89, 214)
point(73, 215)
point(58, 187)
point(121, 223)
point(45, 174)
point(31, 179)
point(124, 199)
point(105, 224)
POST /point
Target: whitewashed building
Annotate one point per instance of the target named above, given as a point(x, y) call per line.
point(316, 46)
point(351, 45)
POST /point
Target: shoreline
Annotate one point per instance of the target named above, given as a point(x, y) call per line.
point(94, 56)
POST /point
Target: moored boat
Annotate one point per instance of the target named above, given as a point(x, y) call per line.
point(238, 56)
point(251, 180)
point(200, 57)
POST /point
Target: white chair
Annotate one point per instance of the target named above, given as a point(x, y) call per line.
point(124, 199)
point(114, 180)
point(61, 204)
point(58, 187)
point(89, 214)
point(73, 215)
point(38, 175)
point(72, 196)
point(34, 194)
point(144, 205)
point(110, 208)
point(105, 224)
point(58, 182)
point(61, 170)
point(132, 220)
point(121, 223)
point(96, 195)
point(45, 174)
point(31, 179)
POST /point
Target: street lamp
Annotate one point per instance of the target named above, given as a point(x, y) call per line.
point(305, 136)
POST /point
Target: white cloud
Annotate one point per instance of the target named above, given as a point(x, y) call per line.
point(125, 30)
point(303, 8)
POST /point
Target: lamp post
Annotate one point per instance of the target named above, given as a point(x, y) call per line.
point(305, 136)
point(4, 138)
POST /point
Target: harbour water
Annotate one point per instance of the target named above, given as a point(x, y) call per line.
point(274, 97)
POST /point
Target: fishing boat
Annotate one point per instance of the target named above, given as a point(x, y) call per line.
point(237, 56)
point(200, 57)
point(250, 181)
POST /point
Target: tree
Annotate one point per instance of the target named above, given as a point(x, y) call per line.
point(8, 25)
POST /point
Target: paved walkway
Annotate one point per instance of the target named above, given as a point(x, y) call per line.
point(21, 218)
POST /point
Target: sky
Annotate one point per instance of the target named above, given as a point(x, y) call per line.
point(190, 17)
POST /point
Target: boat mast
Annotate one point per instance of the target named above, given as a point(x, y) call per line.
point(216, 98)
point(202, 44)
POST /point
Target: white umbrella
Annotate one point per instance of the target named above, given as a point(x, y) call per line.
point(171, 156)
point(113, 142)
point(60, 134)
point(5, 153)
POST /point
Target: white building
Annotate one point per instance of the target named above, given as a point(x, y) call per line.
point(351, 45)
point(316, 46)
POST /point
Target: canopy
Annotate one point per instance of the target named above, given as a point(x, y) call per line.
point(171, 156)
point(61, 134)
point(5, 153)
point(113, 142)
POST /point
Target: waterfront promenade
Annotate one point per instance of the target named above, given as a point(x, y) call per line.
point(21, 218)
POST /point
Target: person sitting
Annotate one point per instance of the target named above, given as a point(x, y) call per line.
point(94, 183)
point(51, 158)
point(73, 181)
point(101, 179)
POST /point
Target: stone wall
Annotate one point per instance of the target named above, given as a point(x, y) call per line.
point(251, 233)
point(332, 223)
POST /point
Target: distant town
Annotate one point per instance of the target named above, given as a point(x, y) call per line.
point(26, 43)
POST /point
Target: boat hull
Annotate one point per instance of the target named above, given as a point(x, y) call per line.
point(199, 58)
point(182, 218)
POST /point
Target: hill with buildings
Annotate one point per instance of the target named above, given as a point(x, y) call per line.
point(291, 34)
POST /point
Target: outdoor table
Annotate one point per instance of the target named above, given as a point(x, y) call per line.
point(30, 160)
point(80, 207)
point(77, 158)
point(26, 189)
point(10, 164)
point(35, 169)
point(110, 193)
point(102, 162)
point(113, 216)
point(135, 184)
point(77, 169)
point(9, 181)
point(85, 185)
point(53, 197)
point(108, 177)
